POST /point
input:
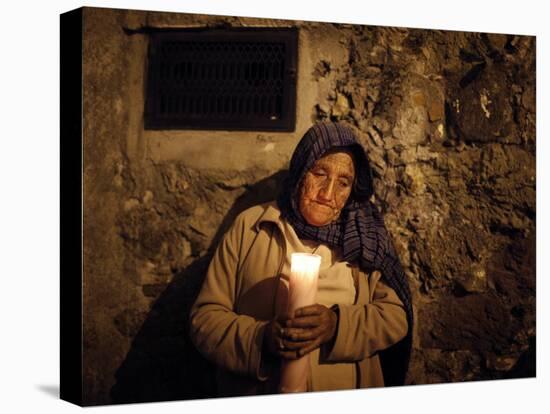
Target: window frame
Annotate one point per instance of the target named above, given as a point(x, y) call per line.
point(153, 120)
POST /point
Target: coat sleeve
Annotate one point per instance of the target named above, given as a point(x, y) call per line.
point(230, 340)
point(368, 328)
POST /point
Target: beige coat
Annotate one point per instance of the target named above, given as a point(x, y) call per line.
point(237, 300)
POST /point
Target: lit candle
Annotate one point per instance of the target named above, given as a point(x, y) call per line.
point(302, 289)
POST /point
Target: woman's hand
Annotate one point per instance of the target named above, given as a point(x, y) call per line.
point(310, 327)
point(275, 343)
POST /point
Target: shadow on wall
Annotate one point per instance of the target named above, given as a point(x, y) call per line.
point(162, 363)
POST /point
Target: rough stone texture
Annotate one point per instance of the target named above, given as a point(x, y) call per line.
point(448, 119)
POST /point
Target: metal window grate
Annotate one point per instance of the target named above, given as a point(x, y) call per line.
point(240, 79)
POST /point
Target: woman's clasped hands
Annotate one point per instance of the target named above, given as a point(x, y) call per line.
point(309, 328)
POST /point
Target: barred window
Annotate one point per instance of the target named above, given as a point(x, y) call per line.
point(234, 79)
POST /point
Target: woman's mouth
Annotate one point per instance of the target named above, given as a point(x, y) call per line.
point(320, 203)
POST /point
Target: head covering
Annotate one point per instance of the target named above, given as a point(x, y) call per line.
point(359, 230)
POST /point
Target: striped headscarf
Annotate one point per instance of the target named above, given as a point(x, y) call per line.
point(359, 230)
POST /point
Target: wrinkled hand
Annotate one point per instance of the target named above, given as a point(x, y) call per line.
point(310, 327)
point(275, 341)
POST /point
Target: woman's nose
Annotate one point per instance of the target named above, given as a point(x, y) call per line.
point(327, 190)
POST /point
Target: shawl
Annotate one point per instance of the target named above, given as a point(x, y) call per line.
point(359, 230)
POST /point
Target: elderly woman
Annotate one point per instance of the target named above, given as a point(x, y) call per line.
point(358, 334)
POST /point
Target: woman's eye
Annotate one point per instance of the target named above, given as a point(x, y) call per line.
point(319, 173)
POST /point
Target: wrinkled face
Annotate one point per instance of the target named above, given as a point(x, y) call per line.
point(326, 187)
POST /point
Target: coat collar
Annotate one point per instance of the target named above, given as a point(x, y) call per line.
point(271, 214)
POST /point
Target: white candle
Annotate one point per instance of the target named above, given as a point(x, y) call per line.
point(302, 289)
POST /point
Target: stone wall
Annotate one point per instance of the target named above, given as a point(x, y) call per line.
point(448, 119)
